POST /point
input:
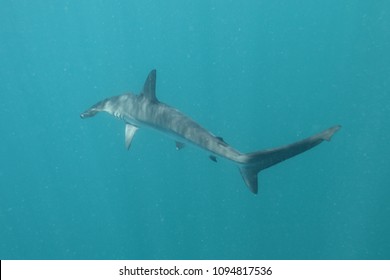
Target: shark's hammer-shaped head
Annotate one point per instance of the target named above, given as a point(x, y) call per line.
point(118, 106)
point(89, 113)
point(121, 106)
point(98, 107)
point(110, 105)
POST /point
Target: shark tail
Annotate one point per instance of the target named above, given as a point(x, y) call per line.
point(252, 163)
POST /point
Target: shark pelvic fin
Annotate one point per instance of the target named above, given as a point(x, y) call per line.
point(149, 90)
point(179, 145)
point(130, 131)
point(213, 158)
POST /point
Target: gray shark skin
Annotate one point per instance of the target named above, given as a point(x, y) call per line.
point(145, 110)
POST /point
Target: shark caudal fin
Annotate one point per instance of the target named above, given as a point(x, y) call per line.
point(253, 163)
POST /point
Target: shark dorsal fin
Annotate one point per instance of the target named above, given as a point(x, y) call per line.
point(149, 90)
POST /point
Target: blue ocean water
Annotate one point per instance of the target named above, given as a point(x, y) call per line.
point(259, 73)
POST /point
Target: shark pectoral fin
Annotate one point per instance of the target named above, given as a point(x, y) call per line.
point(130, 131)
point(179, 145)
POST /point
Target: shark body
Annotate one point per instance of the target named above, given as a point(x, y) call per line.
point(145, 110)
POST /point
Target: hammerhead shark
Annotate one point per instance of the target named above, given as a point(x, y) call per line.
point(145, 110)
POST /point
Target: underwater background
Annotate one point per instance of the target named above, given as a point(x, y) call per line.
point(260, 73)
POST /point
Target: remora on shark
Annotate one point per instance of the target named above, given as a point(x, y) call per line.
point(145, 110)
